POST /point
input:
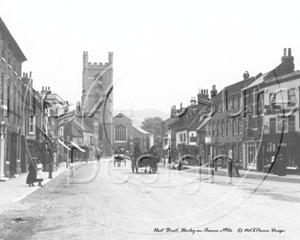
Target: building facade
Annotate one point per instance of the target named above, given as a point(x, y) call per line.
point(11, 59)
point(126, 136)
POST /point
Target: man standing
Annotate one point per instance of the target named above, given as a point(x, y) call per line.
point(236, 166)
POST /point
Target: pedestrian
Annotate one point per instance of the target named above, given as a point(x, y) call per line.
point(31, 178)
point(98, 154)
point(236, 166)
point(211, 166)
point(39, 173)
point(281, 171)
point(229, 167)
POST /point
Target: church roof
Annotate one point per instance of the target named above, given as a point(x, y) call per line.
point(121, 115)
point(141, 130)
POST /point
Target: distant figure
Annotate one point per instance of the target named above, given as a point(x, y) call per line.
point(229, 167)
point(98, 153)
point(39, 173)
point(236, 167)
point(121, 151)
point(281, 168)
point(31, 178)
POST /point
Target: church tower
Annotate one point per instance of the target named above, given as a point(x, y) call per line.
point(97, 79)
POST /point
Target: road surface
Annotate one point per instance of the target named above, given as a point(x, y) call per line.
point(106, 202)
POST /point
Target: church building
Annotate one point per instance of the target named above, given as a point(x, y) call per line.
point(127, 136)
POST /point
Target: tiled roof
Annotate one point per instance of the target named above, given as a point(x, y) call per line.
point(140, 130)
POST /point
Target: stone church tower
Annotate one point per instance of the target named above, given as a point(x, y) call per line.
point(97, 79)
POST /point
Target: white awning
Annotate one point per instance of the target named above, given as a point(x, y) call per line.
point(63, 144)
point(79, 148)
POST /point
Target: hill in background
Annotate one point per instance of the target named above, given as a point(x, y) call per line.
point(138, 116)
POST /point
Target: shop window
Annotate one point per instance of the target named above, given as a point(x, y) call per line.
point(224, 128)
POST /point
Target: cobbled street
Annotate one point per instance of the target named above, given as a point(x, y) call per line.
point(106, 202)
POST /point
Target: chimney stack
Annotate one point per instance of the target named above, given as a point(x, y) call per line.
point(213, 92)
point(284, 52)
point(193, 101)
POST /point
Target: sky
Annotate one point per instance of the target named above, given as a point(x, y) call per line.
point(164, 51)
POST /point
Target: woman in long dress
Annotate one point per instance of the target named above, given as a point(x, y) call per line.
point(39, 173)
point(31, 178)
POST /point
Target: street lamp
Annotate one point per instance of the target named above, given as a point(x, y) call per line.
point(44, 108)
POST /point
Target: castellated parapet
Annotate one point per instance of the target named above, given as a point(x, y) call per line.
point(97, 65)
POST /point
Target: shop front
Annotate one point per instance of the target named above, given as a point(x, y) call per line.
point(288, 145)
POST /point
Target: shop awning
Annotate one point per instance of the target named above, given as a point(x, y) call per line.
point(63, 144)
point(79, 148)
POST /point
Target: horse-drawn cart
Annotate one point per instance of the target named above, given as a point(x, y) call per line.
point(147, 162)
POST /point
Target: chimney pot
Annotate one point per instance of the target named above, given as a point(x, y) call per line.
point(289, 52)
point(284, 52)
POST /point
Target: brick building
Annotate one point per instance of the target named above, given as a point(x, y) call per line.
point(273, 122)
point(11, 59)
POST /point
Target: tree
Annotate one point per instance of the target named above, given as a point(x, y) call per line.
point(153, 125)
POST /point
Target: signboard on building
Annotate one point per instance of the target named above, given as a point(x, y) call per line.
point(66, 118)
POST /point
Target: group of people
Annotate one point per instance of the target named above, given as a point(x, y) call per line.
point(233, 167)
point(35, 173)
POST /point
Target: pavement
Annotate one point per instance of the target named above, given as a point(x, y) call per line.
point(15, 189)
point(295, 178)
